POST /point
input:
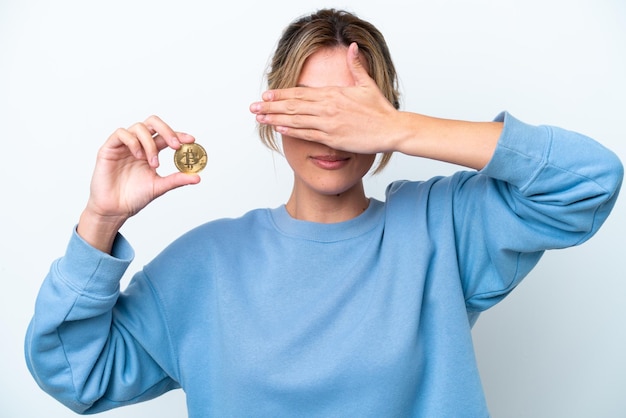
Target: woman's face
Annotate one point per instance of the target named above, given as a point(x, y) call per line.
point(318, 168)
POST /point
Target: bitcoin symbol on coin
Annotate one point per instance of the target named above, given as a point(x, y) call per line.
point(190, 158)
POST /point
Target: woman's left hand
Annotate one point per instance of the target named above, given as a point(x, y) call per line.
point(357, 118)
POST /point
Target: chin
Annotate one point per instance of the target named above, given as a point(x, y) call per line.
point(338, 190)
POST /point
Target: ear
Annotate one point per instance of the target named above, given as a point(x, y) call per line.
point(359, 72)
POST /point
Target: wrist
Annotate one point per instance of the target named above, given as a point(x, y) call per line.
point(99, 231)
point(407, 130)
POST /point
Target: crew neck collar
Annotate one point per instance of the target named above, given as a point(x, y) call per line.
point(323, 232)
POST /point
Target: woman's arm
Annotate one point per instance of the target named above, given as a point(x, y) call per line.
point(86, 350)
point(81, 346)
point(360, 119)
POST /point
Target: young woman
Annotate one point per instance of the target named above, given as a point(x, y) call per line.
point(334, 304)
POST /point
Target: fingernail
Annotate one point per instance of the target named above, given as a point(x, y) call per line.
point(155, 161)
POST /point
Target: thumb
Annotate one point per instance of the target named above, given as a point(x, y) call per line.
point(361, 77)
point(173, 181)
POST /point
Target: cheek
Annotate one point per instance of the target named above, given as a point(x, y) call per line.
point(293, 150)
point(288, 145)
point(366, 162)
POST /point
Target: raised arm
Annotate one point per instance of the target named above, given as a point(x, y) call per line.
point(125, 179)
point(83, 346)
point(360, 119)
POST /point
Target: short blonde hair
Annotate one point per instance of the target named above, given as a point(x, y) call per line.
point(329, 28)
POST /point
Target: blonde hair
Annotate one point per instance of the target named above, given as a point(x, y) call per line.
point(329, 28)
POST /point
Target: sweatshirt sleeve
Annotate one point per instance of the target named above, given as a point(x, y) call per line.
point(78, 345)
point(544, 188)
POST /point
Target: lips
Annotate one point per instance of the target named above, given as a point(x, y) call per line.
point(330, 162)
point(330, 158)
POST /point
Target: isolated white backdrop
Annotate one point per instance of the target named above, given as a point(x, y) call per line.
point(72, 71)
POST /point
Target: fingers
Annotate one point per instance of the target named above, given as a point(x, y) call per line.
point(183, 138)
point(141, 142)
point(157, 127)
point(147, 131)
point(294, 114)
point(305, 133)
point(301, 112)
point(308, 100)
point(300, 101)
point(145, 139)
point(290, 95)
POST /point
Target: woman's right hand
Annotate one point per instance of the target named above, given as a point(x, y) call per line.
point(125, 178)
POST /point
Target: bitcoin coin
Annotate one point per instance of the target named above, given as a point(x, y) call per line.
point(190, 158)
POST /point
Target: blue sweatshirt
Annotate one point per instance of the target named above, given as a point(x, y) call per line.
point(268, 316)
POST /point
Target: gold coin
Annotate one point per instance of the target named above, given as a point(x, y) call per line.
point(190, 158)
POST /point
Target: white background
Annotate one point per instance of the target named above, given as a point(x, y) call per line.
point(73, 71)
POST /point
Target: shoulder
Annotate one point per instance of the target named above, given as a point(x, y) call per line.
point(227, 231)
point(204, 242)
